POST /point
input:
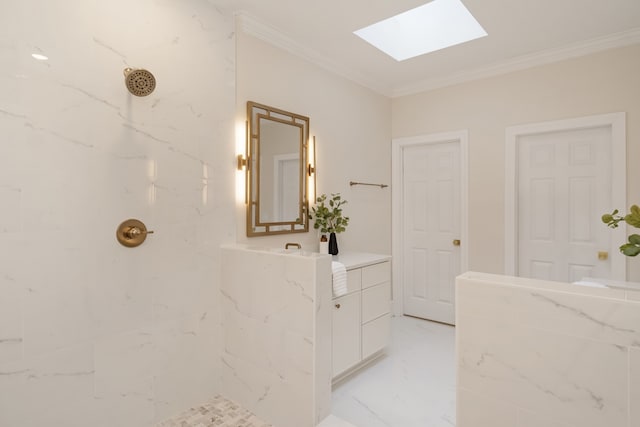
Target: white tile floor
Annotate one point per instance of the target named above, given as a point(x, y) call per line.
point(413, 385)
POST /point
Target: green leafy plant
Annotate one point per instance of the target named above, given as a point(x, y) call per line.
point(327, 214)
point(633, 219)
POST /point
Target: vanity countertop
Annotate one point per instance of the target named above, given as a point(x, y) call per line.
point(359, 259)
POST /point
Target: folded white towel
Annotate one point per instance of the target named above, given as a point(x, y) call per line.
point(339, 278)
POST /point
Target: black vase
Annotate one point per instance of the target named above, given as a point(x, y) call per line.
point(333, 244)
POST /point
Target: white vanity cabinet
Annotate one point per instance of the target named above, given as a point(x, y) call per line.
point(361, 318)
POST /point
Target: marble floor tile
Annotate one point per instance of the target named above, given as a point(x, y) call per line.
point(413, 385)
point(333, 421)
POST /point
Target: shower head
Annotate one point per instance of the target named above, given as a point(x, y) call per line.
point(139, 82)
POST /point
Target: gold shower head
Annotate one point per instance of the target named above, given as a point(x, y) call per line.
point(139, 82)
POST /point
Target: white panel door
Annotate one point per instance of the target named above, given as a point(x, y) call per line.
point(564, 182)
point(431, 229)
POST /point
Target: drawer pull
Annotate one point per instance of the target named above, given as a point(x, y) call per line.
point(338, 305)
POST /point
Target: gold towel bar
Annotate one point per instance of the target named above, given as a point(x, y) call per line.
point(352, 183)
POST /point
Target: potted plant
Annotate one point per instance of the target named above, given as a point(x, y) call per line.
point(632, 248)
point(328, 218)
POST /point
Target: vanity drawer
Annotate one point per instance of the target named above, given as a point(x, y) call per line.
point(375, 335)
point(375, 301)
point(375, 274)
point(354, 280)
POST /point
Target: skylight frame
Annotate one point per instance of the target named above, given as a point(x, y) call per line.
point(433, 26)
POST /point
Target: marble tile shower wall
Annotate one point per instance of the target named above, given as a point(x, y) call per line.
point(92, 333)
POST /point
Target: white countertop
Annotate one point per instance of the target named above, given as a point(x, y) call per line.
point(276, 251)
point(593, 287)
point(350, 260)
point(353, 260)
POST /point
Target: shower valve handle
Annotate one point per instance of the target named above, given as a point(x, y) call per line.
point(132, 233)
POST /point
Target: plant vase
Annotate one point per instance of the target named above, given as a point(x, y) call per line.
point(333, 244)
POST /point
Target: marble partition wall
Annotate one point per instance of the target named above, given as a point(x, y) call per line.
point(276, 321)
point(532, 353)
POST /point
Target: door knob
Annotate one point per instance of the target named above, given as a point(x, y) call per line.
point(456, 242)
point(338, 305)
point(603, 255)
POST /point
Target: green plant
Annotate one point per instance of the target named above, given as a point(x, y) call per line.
point(633, 219)
point(329, 219)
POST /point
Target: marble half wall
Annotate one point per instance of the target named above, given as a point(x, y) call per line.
point(543, 354)
point(276, 322)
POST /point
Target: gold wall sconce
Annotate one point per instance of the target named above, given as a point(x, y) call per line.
point(242, 162)
point(311, 170)
point(132, 233)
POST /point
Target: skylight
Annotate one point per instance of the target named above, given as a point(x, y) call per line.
point(427, 28)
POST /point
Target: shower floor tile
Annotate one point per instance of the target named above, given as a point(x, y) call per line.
point(218, 412)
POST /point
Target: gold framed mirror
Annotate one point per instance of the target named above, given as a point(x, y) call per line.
point(277, 179)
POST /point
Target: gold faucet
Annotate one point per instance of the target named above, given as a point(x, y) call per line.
point(297, 245)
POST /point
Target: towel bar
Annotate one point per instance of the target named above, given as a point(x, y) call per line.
point(352, 183)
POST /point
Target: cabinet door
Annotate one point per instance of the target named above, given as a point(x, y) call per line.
point(346, 332)
point(375, 335)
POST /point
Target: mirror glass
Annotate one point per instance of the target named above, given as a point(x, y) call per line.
point(277, 145)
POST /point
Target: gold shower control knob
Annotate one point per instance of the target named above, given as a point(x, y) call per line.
point(132, 233)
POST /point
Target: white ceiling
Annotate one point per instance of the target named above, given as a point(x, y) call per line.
point(522, 33)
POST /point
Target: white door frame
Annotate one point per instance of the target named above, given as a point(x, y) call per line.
point(618, 179)
point(397, 203)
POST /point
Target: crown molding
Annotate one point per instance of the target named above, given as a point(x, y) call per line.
point(574, 50)
point(271, 35)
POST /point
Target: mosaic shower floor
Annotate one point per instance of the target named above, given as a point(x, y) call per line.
point(218, 412)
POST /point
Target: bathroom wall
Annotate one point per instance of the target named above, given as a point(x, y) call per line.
point(93, 333)
point(534, 353)
point(596, 84)
point(352, 128)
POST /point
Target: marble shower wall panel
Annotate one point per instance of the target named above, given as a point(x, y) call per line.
point(634, 389)
point(545, 354)
point(90, 330)
point(276, 325)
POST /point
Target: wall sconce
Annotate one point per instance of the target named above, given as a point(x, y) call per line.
point(311, 170)
point(242, 162)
